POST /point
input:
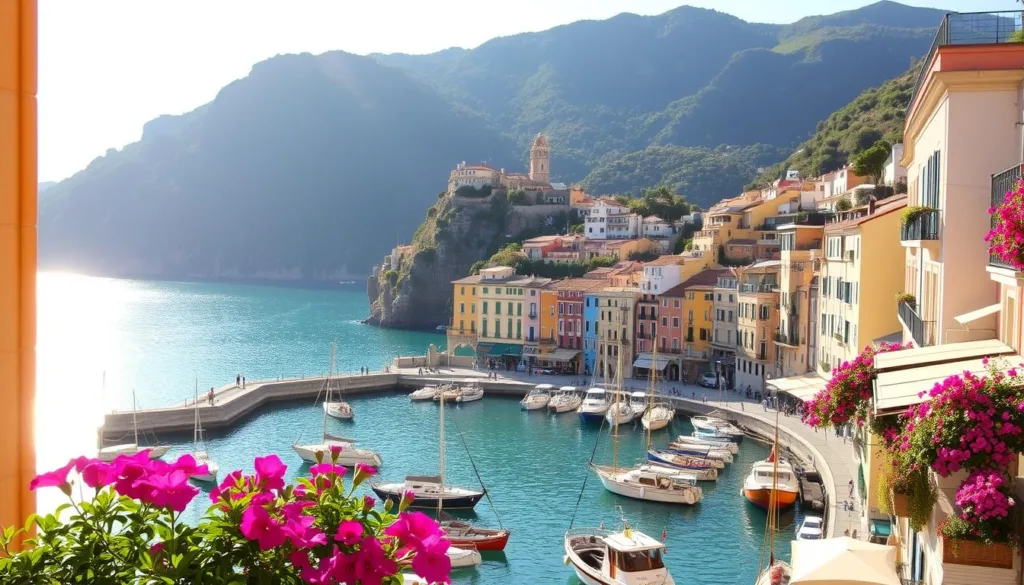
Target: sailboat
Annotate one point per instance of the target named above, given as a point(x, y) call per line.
point(199, 452)
point(338, 409)
point(567, 400)
point(659, 414)
point(349, 456)
point(776, 572)
point(625, 557)
point(645, 482)
point(129, 449)
point(429, 491)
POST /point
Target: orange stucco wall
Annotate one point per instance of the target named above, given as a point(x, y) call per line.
point(18, 178)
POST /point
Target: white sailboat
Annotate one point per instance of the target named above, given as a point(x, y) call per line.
point(619, 413)
point(720, 444)
point(338, 409)
point(638, 403)
point(199, 452)
point(567, 400)
point(425, 393)
point(129, 449)
point(538, 398)
point(656, 415)
point(470, 391)
point(645, 482)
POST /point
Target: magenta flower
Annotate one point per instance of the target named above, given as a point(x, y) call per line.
point(371, 564)
point(368, 503)
point(270, 472)
point(55, 478)
point(258, 525)
point(413, 529)
point(432, 563)
point(350, 532)
point(327, 469)
point(170, 490)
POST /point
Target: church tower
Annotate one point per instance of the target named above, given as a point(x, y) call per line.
point(540, 160)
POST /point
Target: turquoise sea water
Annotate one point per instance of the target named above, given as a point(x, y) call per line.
point(158, 337)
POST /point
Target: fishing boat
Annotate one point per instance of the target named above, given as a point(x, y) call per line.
point(700, 451)
point(771, 483)
point(716, 427)
point(658, 416)
point(463, 534)
point(722, 444)
point(701, 470)
point(425, 393)
point(567, 400)
point(128, 449)
point(775, 571)
point(470, 391)
point(199, 451)
point(627, 557)
point(538, 398)
point(619, 413)
point(429, 491)
point(594, 406)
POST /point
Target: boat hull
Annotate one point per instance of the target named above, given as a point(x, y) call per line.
point(761, 497)
point(110, 453)
point(338, 412)
point(701, 473)
point(593, 576)
point(655, 424)
point(592, 417)
point(463, 557)
point(349, 456)
point(645, 493)
point(461, 502)
point(533, 405)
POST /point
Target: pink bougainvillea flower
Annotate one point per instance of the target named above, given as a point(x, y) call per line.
point(363, 471)
point(371, 563)
point(56, 478)
point(335, 452)
point(327, 469)
point(432, 563)
point(170, 490)
point(350, 532)
point(368, 503)
point(258, 525)
point(414, 529)
point(270, 472)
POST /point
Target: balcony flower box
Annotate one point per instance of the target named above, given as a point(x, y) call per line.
point(977, 554)
point(900, 505)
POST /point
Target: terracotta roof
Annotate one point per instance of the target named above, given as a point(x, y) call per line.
point(741, 242)
point(474, 279)
point(580, 284)
point(702, 278)
point(666, 260)
point(890, 205)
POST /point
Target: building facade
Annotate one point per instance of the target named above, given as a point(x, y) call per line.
point(724, 340)
point(756, 322)
point(616, 324)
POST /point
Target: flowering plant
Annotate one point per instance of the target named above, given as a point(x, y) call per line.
point(986, 506)
point(847, 395)
point(969, 422)
point(1006, 238)
point(257, 530)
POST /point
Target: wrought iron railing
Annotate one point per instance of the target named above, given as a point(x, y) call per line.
point(923, 226)
point(923, 332)
point(969, 28)
point(1001, 184)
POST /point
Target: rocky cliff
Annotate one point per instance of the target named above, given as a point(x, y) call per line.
point(414, 291)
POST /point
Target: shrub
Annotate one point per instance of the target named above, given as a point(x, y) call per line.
point(517, 197)
point(844, 205)
point(908, 298)
point(642, 256)
point(470, 191)
point(1006, 238)
point(258, 529)
point(913, 212)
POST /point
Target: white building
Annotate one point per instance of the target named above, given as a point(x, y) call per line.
point(596, 220)
point(662, 274)
point(654, 227)
point(893, 172)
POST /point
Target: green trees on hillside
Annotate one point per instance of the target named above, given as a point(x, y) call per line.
point(660, 201)
point(871, 162)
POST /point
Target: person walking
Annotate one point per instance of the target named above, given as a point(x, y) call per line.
point(851, 488)
point(209, 396)
point(238, 380)
point(243, 382)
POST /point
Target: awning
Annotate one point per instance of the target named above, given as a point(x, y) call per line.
point(843, 560)
point(975, 315)
point(802, 387)
point(505, 349)
point(484, 348)
point(897, 389)
point(909, 358)
point(561, 355)
point(645, 360)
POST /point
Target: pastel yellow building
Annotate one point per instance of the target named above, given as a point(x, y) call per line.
point(795, 339)
point(616, 308)
point(860, 276)
point(548, 317)
point(698, 318)
point(502, 310)
point(757, 318)
point(464, 299)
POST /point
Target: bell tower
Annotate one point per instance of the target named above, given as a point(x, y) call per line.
point(540, 160)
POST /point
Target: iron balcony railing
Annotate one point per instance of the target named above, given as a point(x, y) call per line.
point(969, 28)
point(765, 287)
point(1001, 184)
point(924, 226)
point(923, 332)
point(783, 338)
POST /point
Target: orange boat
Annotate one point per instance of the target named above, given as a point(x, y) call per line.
point(771, 481)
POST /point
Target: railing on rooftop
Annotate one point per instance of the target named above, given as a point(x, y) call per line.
point(923, 226)
point(1001, 184)
point(801, 218)
point(969, 28)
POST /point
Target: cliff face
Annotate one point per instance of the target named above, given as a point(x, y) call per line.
point(458, 231)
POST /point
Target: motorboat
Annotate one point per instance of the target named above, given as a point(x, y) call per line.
point(566, 400)
point(428, 490)
point(811, 528)
point(619, 413)
point(463, 534)
point(651, 483)
point(701, 451)
point(700, 469)
point(638, 402)
point(722, 444)
point(349, 456)
point(627, 557)
point(771, 481)
point(463, 556)
point(594, 406)
point(199, 451)
point(470, 391)
point(718, 427)
point(658, 416)
point(425, 393)
point(538, 398)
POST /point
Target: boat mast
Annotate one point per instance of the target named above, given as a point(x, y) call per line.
point(135, 421)
point(440, 496)
point(615, 408)
point(195, 430)
point(650, 395)
point(327, 395)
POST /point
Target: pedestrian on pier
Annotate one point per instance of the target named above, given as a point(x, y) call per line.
point(209, 396)
point(243, 382)
point(851, 488)
point(238, 380)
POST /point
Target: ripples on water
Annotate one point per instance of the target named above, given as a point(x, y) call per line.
point(158, 337)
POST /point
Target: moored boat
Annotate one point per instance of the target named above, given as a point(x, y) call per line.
point(638, 403)
point(651, 483)
point(658, 416)
point(425, 393)
point(716, 427)
point(619, 413)
point(112, 452)
point(771, 481)
point(463, 556)
point(349, 456)
point(699, 451)
point(594, 405)
point(723, 444)
point(470, 391)
point(464, 534)
point(538, 398)
point(701, 470)
point(567, 400)
point(628, 557)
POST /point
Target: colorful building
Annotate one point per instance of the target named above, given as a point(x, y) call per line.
point(590, 314)
point(500, 315)
point(698, 322)
point(724, 337)
point(756, 322)
point(793, 338)
point(616, 324)
point(532, 319)
point(570, 299)
point(859, 281)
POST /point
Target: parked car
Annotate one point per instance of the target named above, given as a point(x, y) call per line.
point(810, 529)
point(708, 380)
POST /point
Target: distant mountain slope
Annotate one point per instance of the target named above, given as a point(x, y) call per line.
point(312, 166)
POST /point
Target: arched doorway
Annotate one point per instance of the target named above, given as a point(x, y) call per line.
point(673, 372)
point(464, 350)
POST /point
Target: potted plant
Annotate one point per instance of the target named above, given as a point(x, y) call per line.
point(1007, 233)
point(912, 212)
point(907, 298)
point(983, 533)
point(258, 529)
point(847, 395)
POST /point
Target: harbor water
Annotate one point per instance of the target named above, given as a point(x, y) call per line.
point(157, 338)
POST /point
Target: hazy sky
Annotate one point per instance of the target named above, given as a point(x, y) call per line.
point(109, 66)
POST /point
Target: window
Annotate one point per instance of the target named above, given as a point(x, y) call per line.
point(579, 327)
point(485, 309)
point(462, 308)
point(509, 309)
point(730, 317)
point(533, 308)
point(510, 328)
point(561, 327)
point(709, 296)
point(519, 309)
point(664, 322)
point(519, 329)
point(675, 342)
point(719, 297)
point(675, 303)
point(703, 334)
point(474, 290)
point(664, 303)
point(485, 290)
point(497, 328)
point(533, 293)
point(462, 290)
point(675, 321)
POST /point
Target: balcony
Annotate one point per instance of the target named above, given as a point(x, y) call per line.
point(968, 28)
point(532, 314)
point(923, 332)
point(924, 226)
point(764, 287)
point(669, 350)
point(790, 339)
point(1001, 183)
